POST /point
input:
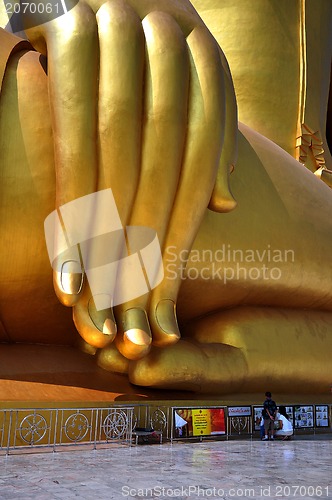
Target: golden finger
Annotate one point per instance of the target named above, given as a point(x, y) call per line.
point(164, 131)
point(72, 50)
point(205, 135)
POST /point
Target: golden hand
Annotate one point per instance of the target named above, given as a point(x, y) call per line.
point(142, 103)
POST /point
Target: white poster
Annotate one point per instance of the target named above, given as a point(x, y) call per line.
point(303, 416)
point(322, 415)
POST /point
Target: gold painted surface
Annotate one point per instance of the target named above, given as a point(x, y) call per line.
point(9, 45)
point(164, 138)
point(280, 58)
point(262, 46)
point(317, 50)
point(325, 175)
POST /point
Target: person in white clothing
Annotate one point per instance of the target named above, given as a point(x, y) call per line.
point(285, 428)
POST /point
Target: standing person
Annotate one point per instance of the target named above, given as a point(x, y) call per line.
point(269, 414)
point(285, 429)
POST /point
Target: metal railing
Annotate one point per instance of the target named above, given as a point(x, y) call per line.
point(237, 426)
point(48, 429)
point(51, 428)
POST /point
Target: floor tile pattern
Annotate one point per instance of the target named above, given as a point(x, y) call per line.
point(297, 469)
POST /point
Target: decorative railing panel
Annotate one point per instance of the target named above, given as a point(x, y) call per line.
point(51, 428)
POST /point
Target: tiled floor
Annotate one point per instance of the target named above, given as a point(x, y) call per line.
point(298, 469)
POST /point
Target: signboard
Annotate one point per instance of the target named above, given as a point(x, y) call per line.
point(239, 411)
point(303, 416)
point(200, 422)
point(290, 413)
point(322, 416)
point(258, 415)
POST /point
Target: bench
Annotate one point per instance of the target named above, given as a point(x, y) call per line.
point(146, 434)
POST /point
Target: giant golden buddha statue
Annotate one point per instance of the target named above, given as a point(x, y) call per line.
point(136, 98)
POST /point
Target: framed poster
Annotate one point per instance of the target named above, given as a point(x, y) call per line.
point(322, 416)
point(182, 415)
point(257, 416)
point(303, 416)
point(290, 413)
point(194, 422)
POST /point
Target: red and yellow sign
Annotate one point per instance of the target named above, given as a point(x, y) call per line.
point(204, 421)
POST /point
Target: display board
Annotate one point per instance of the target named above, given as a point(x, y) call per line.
point(258, 415)
point(199, 422)
point(321, 416)
point(303, 416)
point(239, 411)
point(290, 413)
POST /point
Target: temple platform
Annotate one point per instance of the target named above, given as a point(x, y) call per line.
point(298, 469)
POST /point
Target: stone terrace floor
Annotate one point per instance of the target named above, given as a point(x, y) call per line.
point(237, 468)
